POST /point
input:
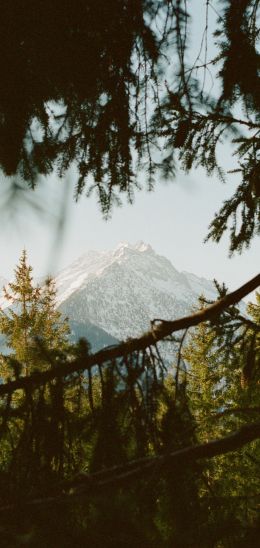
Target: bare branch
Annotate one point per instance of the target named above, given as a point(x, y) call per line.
point(117, 476)
point(157, 333)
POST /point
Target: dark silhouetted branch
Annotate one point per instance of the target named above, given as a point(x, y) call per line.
point(118, 476)
point(160, 329)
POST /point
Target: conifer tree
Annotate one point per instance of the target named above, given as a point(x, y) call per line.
point(51, 329)
point(32, 326)
point(223, 392)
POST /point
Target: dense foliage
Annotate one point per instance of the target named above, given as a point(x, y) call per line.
point(115, 88)
point(112, 451)
point(224, 394)
point(31, 323)
point(77, 449)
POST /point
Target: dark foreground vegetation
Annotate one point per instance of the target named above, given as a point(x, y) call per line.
point(113, 449)
point(116, 449)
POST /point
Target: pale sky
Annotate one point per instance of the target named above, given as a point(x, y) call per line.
point(173, 219)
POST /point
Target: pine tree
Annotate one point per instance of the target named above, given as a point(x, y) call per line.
point(223, 393)
point(51, 329)
point(251, 369)
point(33, 328)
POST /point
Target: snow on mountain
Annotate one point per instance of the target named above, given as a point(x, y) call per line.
point(201, 286)
point(117, 293)
point(122, 290)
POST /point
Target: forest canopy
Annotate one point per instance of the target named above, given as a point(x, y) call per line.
point(118, 446)
point(115, 88)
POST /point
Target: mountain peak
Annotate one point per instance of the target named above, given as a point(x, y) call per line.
point(143, 247)
point(140, 246)
point(121, 290)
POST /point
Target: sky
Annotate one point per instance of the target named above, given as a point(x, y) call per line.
point(173, 219)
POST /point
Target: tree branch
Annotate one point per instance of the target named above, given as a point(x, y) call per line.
point(234, 410)
point(118, 476)
point(158, 332)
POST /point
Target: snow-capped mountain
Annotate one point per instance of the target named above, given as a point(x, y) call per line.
point(122, 290)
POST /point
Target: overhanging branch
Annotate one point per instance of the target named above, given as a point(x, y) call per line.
point(160, 329)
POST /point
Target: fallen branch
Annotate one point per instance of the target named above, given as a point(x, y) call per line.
point(160, 329)
point(119, 476)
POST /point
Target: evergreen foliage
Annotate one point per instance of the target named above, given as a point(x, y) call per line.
point(222, 396)
point(30, 323)
point(86, 456)
point(119, 451)
point(112, 90)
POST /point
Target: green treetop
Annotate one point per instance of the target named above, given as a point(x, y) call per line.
point(32, 326)
point(223, 390)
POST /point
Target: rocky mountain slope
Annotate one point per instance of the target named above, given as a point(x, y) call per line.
point(122, 290)
point(97, 337)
